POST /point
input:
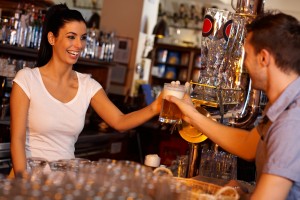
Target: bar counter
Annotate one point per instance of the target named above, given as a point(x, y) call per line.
point(91, 144)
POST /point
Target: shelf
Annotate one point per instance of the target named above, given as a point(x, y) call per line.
point(12, 5)
point(18, 51)
point(179, 66)
point(174, 47)
point(182, 54)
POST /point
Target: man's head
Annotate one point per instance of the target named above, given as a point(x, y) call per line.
point(279, 34)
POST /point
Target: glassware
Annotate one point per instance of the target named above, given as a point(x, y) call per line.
point(218, 164)
point(36, 166)
point(107, 179)
point(222, 76)
point(59, 165)
point(170, 113)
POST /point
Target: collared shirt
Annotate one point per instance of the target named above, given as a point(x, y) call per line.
point(278, 151)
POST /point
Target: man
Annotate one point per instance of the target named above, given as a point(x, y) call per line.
point(272, 59)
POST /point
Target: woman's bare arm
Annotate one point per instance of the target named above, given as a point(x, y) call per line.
point(19, 104)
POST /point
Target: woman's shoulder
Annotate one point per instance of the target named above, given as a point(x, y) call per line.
point(84, 78)
point(87, 80)
point(27, 72)
point(83, 75)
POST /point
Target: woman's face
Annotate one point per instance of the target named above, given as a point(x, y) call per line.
point(70, 42)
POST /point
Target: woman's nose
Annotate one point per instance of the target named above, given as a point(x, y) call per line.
point(80, 44)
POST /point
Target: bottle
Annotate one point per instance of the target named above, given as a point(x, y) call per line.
point(107, 47)
point(30, 26)
point(4, 30)
point(12, 33)
point(101, 46)
point(22, 31)
point(41, 21)
point(112, 46)
point(37, 29)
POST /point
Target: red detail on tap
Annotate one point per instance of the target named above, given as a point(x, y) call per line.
point(208, 25)
point(227, 29)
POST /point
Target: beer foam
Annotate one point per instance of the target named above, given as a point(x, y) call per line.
point(177, 92)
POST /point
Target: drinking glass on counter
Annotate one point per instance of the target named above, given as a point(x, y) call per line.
point(218, 164)
point(58, 165)
point(170, 113)
point(36, 166)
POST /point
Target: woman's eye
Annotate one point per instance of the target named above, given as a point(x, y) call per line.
point(83, 37)
point(71, 37)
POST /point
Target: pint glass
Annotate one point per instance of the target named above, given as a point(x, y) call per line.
point(170, 113)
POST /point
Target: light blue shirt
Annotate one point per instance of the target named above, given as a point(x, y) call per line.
point(278, 151)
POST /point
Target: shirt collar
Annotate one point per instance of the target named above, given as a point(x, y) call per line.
point(284, 100)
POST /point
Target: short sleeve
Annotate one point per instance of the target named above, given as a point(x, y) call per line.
point(94, 86)
point(22, 78)
point(89, 85)
point(283, 150)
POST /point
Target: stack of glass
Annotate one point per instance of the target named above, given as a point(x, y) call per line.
point(83, 179)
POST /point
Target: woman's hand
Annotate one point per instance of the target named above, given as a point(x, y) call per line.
point(157, 104)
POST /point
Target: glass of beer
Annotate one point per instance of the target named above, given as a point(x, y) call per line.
point(170, 113)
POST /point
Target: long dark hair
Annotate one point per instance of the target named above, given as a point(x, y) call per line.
point(56, 17)
point(279, 33)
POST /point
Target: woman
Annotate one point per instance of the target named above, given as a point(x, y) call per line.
point(49, 102)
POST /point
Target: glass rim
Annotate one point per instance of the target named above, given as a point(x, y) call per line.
point(174, 86)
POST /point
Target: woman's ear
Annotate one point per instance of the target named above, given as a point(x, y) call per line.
point(51, 38)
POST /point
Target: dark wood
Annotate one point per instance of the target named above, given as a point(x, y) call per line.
point(191, 51)
point(12, 5)
point(100, 71)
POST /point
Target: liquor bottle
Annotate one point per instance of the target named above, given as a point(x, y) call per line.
point(20, 25)
point(22, 31)
point(12, 31)
point(101, 46)
point(37, 29)
point(30, 25)
point(112, 46)
point(106, 47)
point(41, 21)
point(4, 30)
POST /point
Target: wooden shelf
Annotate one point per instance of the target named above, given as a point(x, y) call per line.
point(190, 54)
point(12, 5)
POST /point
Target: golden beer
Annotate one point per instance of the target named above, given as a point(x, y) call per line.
point(170, 113)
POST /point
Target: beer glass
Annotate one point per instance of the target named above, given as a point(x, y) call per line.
point(170, 113)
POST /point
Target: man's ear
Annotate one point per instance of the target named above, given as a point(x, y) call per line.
point(264, 57)
point(51, 38)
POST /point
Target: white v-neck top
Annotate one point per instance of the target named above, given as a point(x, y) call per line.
point(53, 127)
